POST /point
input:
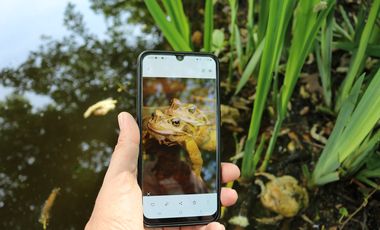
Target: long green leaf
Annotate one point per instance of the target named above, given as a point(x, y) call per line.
point(305, 29)
point(234, 9)
point(357, 158)
point(373, 50)
point(238, 47)
point(306, 24)
point(250, 67)
point(359, 55)
point(279, 16)
point(250, 42)
point(349, 143)
point(263, 19)
point(168, 28)
point(173, 15)
point(323, 54)
point(366, 115)
point(329, 160)
point(346, 20)
point(208, 26)
point(184, 22)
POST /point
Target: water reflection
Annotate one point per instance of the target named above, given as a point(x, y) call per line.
point(53, 145)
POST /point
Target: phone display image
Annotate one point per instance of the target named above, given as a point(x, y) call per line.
point(179, 142)
point(179, 134)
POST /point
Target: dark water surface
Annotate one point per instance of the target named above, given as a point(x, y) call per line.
point(54, 145)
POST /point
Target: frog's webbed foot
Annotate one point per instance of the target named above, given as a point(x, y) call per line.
point(195, 156)
point(269, 220)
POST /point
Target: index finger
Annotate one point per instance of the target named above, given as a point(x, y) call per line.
point(230, 172)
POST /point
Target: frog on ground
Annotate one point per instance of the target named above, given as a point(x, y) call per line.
point(281, 195)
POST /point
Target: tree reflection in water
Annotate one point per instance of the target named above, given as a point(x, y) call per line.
point(55, 146)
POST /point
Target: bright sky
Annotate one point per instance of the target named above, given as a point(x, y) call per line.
point(22, 22)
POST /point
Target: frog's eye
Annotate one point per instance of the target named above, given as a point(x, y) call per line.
point(192, 109)
point(176, 122)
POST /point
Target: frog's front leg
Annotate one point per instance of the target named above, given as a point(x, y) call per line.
point(195, 156)
point(267, 175)
point(262, 187)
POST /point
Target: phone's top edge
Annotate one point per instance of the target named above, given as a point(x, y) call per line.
point(162, 52)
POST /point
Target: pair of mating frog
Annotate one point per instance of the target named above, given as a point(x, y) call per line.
point(185, 125)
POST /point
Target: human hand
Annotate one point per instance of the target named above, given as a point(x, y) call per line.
point(119, 202)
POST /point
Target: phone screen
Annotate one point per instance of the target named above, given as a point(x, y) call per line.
point(180, 141)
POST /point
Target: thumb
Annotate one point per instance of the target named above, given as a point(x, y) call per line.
point(125, 155)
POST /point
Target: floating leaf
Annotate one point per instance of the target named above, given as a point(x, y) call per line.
point(46, 209)
point(100, 108)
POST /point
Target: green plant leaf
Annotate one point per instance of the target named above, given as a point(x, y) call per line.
point(250, 67)
point(359, 56)
point(238, 47)
point(364, 118)
point(328, 162)
point(278, 20)
point(323, 54)
point(168, 28)
point(249, 27)
point(373, 50)
point(208, 26)
point(306, 26)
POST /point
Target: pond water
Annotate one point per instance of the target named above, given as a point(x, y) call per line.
point(45, 142)
point(54, 146)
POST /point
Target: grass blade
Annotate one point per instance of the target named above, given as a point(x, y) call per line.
point(373, 50)
point(208, 26)
point(359, 56)
point(357, 158)
point(323, 54)
point(305, 30)
point(329, 159)
point(234, 8)
point(263, 19)
point(250, 67)
point(169, 30)
point(278, 20)
point(238, 47)
point(349, 143)
point(366, 115)
point(249, 48)
point(185, 26)
point(346, 20)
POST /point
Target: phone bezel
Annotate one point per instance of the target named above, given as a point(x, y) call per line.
point(183, 221)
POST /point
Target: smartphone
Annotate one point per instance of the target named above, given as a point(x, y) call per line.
point(179, 119)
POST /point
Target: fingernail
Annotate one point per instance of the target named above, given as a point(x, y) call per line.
point(221, 227)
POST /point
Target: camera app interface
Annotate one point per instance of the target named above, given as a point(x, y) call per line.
point(179, 136)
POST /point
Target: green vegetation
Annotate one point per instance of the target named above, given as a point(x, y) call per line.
point(273, 50)
point(173, 23)
point(308, 18)
point(353, 137)
point(279, 16)
point(359, 55)
point(313, 23)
